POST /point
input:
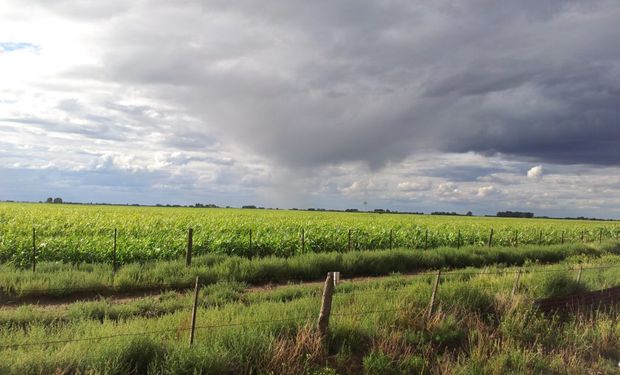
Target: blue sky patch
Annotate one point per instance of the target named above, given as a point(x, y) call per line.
point(12, 46)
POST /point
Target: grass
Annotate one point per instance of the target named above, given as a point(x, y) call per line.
point(377, 326)
point(54, 280)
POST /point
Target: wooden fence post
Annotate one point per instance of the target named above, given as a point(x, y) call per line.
point(250, 241)
point(349, 245)
point(326, 304)
point(431, 303)
point(114, 254)
point(303, 240)
point(600, 235)
point(491, 238)
point(391, 239)
point(516, 238)
point(582, 236)
point(515, 284)
point(458, 241)
point(34, 250)
point(190, 245)
point(579, 274)
point(426, 240)
point(194, 310)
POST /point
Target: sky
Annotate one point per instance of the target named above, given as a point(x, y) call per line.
point(478, 106)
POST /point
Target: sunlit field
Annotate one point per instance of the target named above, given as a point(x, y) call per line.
point(74, 234)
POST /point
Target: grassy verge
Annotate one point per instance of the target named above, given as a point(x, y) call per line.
point(58, 280)
point(377, 327)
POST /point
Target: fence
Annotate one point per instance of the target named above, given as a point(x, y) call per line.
point(571, 302)
point(248, 245)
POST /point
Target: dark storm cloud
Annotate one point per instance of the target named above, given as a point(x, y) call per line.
point(312, 83)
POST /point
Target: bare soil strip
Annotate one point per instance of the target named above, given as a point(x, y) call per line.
point(116, 297)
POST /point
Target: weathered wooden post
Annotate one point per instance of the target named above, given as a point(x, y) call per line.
point(600, 235)
point(349, 245)
point(491, 238)
point(515, 284)
point(190, 245)
point(431, 304)
point(34, 250)
point(336, 278)
point(194, 310)
point(303, 240)
point(516, 238)
point(326, 305)
point(114, 254)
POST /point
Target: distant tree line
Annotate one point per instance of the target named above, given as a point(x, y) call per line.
point(53, 200)
point(210, 205)
point(469, 213)
point(527, 215)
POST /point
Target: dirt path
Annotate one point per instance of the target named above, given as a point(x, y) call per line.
point(116, 297)
point(65, 301)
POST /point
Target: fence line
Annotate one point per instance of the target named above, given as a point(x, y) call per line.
point(324, 316)
point(183, 329)
point(423, 239)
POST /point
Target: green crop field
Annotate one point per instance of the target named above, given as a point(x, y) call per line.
point(74, 234)
point(250, 319)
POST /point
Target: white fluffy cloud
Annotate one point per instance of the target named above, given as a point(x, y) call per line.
point(485, 191)
point(535, 173)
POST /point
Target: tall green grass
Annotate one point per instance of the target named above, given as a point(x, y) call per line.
point(58, 279)
point(376, 327)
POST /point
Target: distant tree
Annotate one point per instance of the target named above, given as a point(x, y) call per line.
point(515, 214)
point(57, 200)
point(250, 206)
point(469, 213)
point(49, 200)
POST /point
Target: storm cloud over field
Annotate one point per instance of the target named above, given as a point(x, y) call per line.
point(440, 105)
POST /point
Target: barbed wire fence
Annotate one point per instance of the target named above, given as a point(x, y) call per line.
point(329, 289)
point(247, 241)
